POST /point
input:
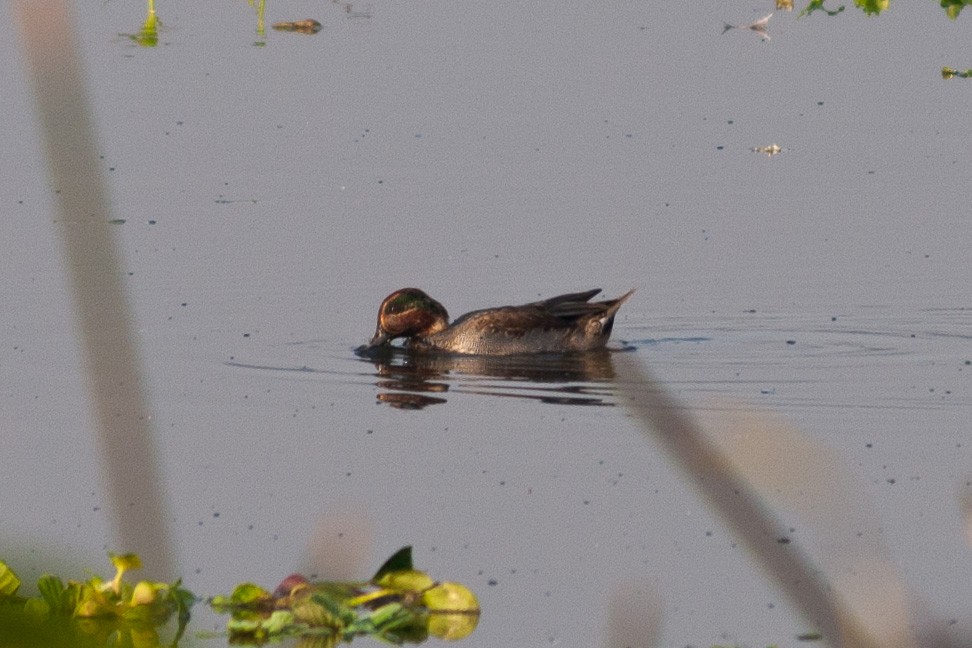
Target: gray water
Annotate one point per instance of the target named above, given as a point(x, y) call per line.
point(497, 153)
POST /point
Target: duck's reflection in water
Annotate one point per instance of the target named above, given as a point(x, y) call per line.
point(415, 380)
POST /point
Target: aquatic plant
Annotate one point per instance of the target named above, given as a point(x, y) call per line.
point(96, 611)
point(398, 604)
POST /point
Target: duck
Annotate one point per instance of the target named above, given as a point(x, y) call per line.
point(562, 324)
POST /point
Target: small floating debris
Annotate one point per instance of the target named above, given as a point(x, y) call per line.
point(758, 26)
point(784, 5)
point(306, 26)
point(810, 636)
point(352, 13)
point(948, 73)
point(770, 150)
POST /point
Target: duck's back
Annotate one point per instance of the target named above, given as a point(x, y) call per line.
point(560, 324)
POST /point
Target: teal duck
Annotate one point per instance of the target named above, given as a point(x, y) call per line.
point(561, 324)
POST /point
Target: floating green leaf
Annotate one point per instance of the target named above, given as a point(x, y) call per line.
point(954, 7)
point(408, 580)
point(401, 560)
point(9, 583)
point(246, 593)
point(818, 5)
point(873, 7)
point(59, 599)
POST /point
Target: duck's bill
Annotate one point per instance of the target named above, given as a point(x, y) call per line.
point(380, 338)
point(377, 346)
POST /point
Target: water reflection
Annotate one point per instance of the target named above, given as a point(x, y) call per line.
point(409, 380)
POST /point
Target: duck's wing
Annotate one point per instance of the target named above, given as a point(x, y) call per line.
point(513, 321)
point(560, 312)
point(568, 298)
point(574, 310)
point(563, 305)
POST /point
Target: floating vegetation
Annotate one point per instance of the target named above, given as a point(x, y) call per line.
point(874, 7)
point(9, 583)
point(399, 604)
point(106, 611)
point(818, 5)
point(306, 26)
point(148, 35)
point(948, 73)
point(954, 7)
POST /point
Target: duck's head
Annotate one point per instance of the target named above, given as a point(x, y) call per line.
point(407, 313)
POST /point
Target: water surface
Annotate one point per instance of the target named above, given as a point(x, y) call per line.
point(492, 154)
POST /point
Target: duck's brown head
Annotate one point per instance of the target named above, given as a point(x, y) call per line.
point(408, 312)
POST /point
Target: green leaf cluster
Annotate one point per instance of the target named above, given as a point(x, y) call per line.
point(949, 73)
point(954, 7)
point(95, 608)
point(874, 7)
point(399, 604)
